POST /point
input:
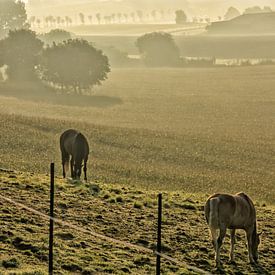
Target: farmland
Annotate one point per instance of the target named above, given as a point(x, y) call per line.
point(185, 132)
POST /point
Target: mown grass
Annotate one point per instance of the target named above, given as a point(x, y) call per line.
point(24, 240)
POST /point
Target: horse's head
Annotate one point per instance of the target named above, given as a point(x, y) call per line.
point(77, 169)
point(255, 244)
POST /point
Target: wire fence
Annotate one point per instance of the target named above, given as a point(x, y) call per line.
point(104, 237)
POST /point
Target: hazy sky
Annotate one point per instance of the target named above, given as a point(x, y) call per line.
point(211, 8)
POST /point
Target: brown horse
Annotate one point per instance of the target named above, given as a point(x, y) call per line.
point(75, 146)
point(224, 211)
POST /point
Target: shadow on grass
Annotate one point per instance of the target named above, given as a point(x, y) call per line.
point(37, 92)
point(259, 269)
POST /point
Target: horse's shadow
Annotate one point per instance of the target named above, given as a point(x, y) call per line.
point(257, 269)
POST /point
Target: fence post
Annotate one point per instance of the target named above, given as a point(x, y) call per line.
point(159, 233)
point(51, 221)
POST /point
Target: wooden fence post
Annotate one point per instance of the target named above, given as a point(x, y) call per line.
point(159, 233)
point(51, 221)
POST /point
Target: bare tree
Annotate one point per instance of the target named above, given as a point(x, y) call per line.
point(82, 18)
point(98, 17)
point(90, 17)
point(125, 15)
point(140, 15)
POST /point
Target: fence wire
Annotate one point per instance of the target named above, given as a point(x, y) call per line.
point(103, 237)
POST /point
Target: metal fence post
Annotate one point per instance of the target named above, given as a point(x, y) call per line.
point(159, 233)
point(51, 221)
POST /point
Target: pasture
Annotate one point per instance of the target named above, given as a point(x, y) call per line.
point(185, 132)
point(193, 130)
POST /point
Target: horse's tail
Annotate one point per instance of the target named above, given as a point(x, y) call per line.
point(66, 165)
point(213, 219)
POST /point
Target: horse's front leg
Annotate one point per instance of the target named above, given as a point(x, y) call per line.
point(63, 170)
point(85, 170)
point(72, 168)
point(249, 245)
point(232, 239)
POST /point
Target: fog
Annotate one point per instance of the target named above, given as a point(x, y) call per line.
point(211, 8)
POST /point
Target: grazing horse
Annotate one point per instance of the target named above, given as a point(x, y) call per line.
point(73, 144)
point(224, 211)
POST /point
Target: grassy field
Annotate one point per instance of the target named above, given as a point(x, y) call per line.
point(192, 130)
point(123, 213)
point(185, 132)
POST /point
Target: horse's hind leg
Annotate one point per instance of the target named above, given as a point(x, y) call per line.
point(65, 163)
point(214, 236)
point(72, 168)
point(219, 244)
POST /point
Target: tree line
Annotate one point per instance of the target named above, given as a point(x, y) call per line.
point(139, 16)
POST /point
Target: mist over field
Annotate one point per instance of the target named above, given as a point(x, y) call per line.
point(131, 99)
point(212, 8)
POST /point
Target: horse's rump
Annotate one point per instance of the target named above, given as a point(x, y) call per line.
point(233, 211)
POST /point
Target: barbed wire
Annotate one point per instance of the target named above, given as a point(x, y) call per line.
point(103, 237)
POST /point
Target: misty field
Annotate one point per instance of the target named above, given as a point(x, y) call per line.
point(194, 130)
point(185, 132)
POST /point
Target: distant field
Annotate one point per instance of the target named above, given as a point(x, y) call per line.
point(133, 29)
point(198, 45)
point(193, 130)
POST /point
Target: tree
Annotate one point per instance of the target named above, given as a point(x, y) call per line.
point(98, 17)
point(82, 18)
point(12, 16)
point(20, 52)
point(55, 36)
point(231, 13)
point(257, 9)
point(140, 15)
point(181, 17)
point(158, 49)
point(90, 17)
point(74, 64)
point(267, 9)
point(154, 14)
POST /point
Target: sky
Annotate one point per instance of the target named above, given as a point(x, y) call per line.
point(211, 8)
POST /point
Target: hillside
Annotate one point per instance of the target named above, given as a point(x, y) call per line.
point(246, 24)
point(120, 212)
